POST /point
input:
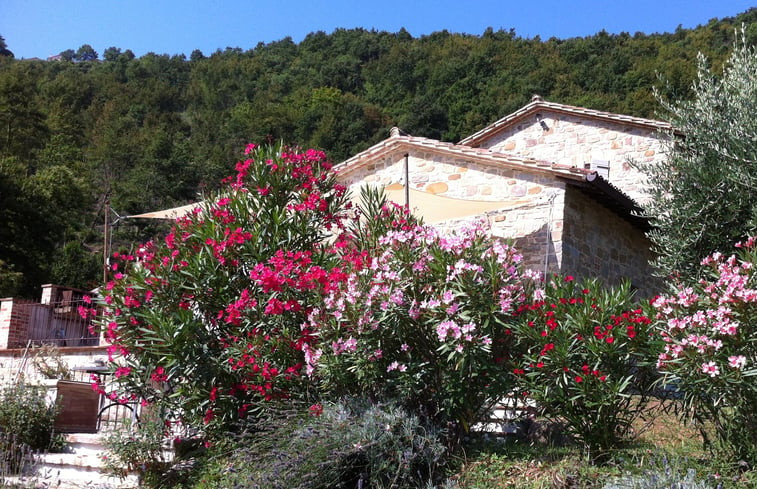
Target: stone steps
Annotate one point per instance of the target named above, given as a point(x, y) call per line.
point(81, 467)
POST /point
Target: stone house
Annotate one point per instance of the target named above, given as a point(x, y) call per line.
point(554, 178)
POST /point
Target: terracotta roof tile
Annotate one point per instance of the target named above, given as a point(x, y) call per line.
point(480, 155)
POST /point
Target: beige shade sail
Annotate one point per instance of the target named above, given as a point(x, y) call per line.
point(432, 208)
point(435, 208)
point(173, 213)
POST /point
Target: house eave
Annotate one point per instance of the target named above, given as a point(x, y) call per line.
point(613, 198)
point(398, 143)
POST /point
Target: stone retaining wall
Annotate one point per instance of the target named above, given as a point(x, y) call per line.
point(18, 360)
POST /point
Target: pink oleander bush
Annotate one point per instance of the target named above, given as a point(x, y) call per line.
point(587, 359)
point(424, 322)
point(208, 323)
point(710, 351)
point(275, 290)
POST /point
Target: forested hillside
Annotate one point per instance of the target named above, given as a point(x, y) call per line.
point(151, 132)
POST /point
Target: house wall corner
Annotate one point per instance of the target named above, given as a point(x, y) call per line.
point(599, 243)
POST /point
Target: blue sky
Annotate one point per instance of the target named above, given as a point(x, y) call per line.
point(40, 28)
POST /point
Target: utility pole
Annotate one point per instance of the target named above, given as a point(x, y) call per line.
point(106, 233)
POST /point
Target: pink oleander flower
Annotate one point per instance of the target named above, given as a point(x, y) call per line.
point(396, 366)
point(737, 361)
point(711, 369)
point(311, 358)
point(341, 345)
point(122, 372)
point(444, 328)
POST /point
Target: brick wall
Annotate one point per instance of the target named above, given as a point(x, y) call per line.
point(14, 322)
point(575, 141)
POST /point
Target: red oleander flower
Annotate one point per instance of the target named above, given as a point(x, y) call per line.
point(316, 409)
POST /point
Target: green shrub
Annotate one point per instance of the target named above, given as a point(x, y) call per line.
point(215, 309)
point(664, 475)
point(424, 322)
point(334, 446)
point(26, 425)
point(137, 449)
point(710, 349)
point(25, 412)
point(588, 359)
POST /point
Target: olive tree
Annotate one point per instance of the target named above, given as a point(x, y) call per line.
point(703, 198)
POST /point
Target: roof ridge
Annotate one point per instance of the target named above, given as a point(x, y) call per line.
point(493, 157)
point(538, 102)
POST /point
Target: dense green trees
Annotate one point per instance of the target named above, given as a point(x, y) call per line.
point(151, 132)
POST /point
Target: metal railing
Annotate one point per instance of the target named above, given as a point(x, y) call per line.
point(59, 323)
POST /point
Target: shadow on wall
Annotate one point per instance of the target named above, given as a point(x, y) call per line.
point(599, 242)
point(539, 251)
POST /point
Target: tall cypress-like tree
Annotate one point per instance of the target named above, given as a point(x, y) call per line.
point(704, 198)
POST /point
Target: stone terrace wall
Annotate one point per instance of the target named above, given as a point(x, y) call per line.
point(17, 360)
point(599, 243)
point(575, 141)
point(529, 200)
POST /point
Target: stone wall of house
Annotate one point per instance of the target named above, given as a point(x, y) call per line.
point(452, 177)
point(534, 231)
point(599, 243)
point(574, 141)
point(532, 203)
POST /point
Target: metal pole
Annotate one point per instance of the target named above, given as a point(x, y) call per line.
point(407, 182)
point(106, 241)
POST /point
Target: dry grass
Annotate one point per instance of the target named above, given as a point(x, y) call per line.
point(518, 464)
point(660, 428)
